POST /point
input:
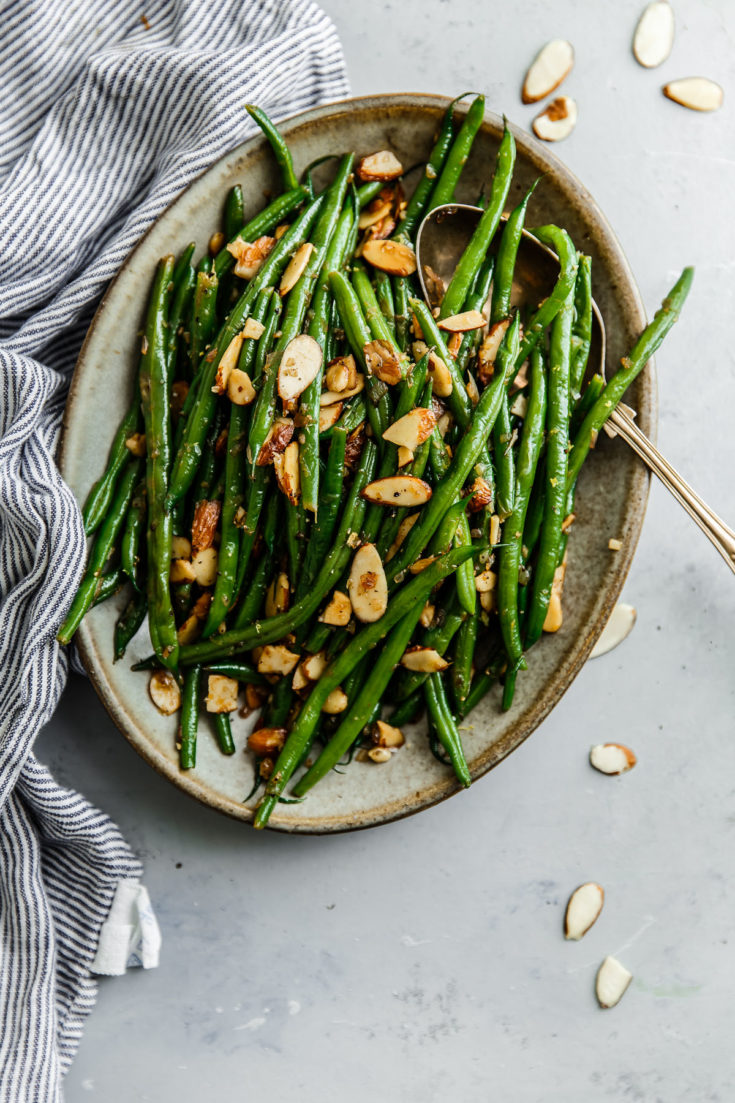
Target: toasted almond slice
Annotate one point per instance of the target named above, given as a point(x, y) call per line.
point(329, 416)
point(266, 741)
point(421, 564)
point(288, 473)
point(250, 255)
point(279, 436)
point(385, 735)
point(463, 323)
point(341, 374)
point(557, 120)
point(440, 376)
point(374, 212)
point(494, 533)
point(336, 702)
point(164, 691)
point(204, 525)
point(277, 595)
point(379, 754)
point(548, 69)
point(481, 495)
point(520, 405)
point(383, 361)
point(424, 660)
point(583, 909)
point(227, 363)
point(696, 93)
point(488, 350)
point(253, 329)
point(182, 571)
point(300, 364)
point(612, 758)
point(205, 566)
point(412, 429)
point(612, 982)
point(221, 693)
point(295, 267)
point(427, 615)
point(338, 611)
point(314, 665)
point(485, 581)
point(618, 628)
point(240, 389)
point(654, 35)
point(405, 456)
point(328, 398)
point(216, 242)
point(487, 600)
point(367, 585)
point(390, 256)
point(472, 390)
point(403, 530)
point(135, 444)
point(554, 614)
point(398, 490)
point(189, 631)
point(180, 548)
point(382, 165)
point(275, 658)
point(299, 680)
point(354, 447)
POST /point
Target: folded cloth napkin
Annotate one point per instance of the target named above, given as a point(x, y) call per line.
point(106, 114)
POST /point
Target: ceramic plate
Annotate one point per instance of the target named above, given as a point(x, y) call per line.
point(612, 488)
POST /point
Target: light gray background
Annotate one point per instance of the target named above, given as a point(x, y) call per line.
point(424, 961)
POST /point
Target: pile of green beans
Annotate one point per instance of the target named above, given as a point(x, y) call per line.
point(233, 514)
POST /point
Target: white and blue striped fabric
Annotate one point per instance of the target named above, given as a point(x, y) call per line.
point(104, 117)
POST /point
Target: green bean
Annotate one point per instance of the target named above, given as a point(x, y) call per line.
point(366, 193)
point(353, 414)
point(475, 301)
point(474, 254)
point(502, 435)
point(101, 495)
point(418, 202)
point(510, 241)
point(585, 402)
point(183, 293)
point(295, 526)
point(481, 686)
point(511, 548)
point(101, 551)
point(132, 535)
point(223, 732)
point(412, 597)
point(188, 723)
point(253, 600)
point(203, 317)
point(278, 145)
point(377, 324)
point(459, 401)
point(183, 262)
point(555, 478)
point(465, 576)
point(561, 243)
point(358, 336)
point(632, 365)
point(268, 219)
point(464, 656)
point(403, 289)
point(439, 638)
point(582, 324)
point(241, 672)
point(443, 190)
point(384, 295)
point(408, 710)
point(445, 727)
point(108, 585)
point(326, 518)
point(234, 212)
point(509, 688)
point(128, 623)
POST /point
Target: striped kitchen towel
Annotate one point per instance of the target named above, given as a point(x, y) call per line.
point(106, 114)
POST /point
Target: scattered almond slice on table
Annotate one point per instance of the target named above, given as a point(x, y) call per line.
point(583, 910)
point(654, 34)
point(618, 628)
point(557, 120)
point(612, 982)
point(696, 93)
point(549, 68)
point(612, 758)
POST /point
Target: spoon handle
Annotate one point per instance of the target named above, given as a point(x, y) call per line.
point(711, 525)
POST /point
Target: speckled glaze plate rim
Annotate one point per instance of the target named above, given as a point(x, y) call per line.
point(94, 662)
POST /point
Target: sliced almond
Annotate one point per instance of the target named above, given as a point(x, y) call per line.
point(618, 628)
point(583, 909)
point(485, 581)
point(612, 982)
point(472, 390)
point(136, 444)
point(300, 365)
point(557, 120)
point(390, 256)
point(554, 614)
point(424, 660)
point(205, 566)
point(488, 350)
point(382, 165)
point(164, 691)
point(266, 741)
point(314, 665)
point(696, 93)
point(427, 615)
point(275, 658)
point(240, 389)
point(328, 398)
point(204, 525)
point(367, 585)
point(374, 212)
point(341, 374)
point(487, 600)
point(406, 491)
point(440, 376)
point(383, 361)
point(201, 605)
point(548, 69)
point(421, 564)
point(180, 548)
point(227, 363)
point(404, 528)
point(189, 631)
point(385, 735)
point(336, 702)
point(463, 323)
point(250, 255)
point(288, 473)
point(279, 436)
point(481, 495)
point(295, 268)
point(277, 595)
point(405, 456)
point(216, 242)
point(494, 534)
point(299, 680)
point(338, 611)
point(612, 758)
point(412, 429)
point(221, 693)
point(253, 329)
point(354, 446)
point(182, 571)
point(329, 416)
point(379, 754)
point(654, 35)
